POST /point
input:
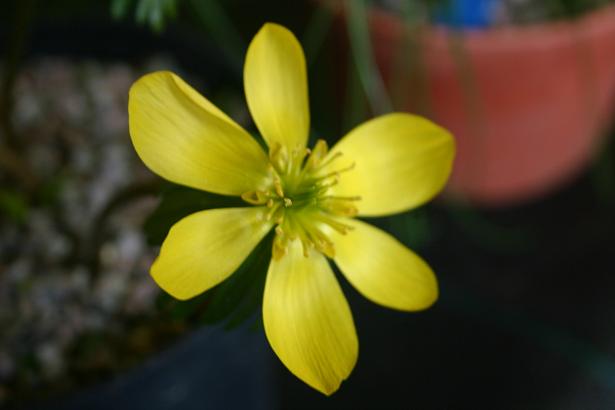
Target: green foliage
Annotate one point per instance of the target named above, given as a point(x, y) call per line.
point(238, 297)
point(572, 8)
point(413, 228)
point(214, 19)
point(361, 47)
point(233, 301)
point(154, 13)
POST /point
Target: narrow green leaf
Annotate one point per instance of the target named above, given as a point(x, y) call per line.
point(358, 32)
point(218, 24)
point(317, 28)
point(240, 296)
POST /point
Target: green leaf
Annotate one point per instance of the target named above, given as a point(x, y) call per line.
point(178, 202)
point(119, 8)
point(361, 47)
point(240, 296)
point(412, 228)
point(212, 16)
point(155, 13)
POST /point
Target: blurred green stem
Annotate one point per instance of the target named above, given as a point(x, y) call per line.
point(354, 100)
point(216, 21)
point(10, 159)
point(371, 80)
point(21, 24)
point(316, 31)
point(472, 104)
point(410, 86)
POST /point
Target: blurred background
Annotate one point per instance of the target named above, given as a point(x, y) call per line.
point(522, 240)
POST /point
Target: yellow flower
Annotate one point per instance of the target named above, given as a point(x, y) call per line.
point(387, 165)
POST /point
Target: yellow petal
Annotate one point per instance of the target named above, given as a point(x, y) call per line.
point(307, 319)
point(384, 270)
point(205, 248)
point(400, 162)
point(184, 138)
point(275, 81)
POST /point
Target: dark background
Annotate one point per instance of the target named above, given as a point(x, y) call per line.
point(525, 316)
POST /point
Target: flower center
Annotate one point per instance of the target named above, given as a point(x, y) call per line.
point(299, 198)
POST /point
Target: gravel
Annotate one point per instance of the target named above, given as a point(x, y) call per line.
point(64, 273)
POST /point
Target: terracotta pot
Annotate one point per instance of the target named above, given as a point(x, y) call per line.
point(527, 105)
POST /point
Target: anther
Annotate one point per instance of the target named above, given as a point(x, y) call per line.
point(278, 188)
point(306, 248)
point(255, 197)
point(319, 152)
point(272, 211)
point(278, 157)
point(332, 158)
point(343, 198)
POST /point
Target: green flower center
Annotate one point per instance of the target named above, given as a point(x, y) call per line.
point(299, 198)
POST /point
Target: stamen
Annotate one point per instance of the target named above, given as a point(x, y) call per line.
point(328, 185)
point(341, 208)
point(280, 244)
point(278, 157)
point(332, 158)
point(278, 188)
point(337, 173)
point(255, 197)
point(319, 240)
point(333, 223)
point(299, 200)
point(274, 209)
point(306, 248)
point(343, 198)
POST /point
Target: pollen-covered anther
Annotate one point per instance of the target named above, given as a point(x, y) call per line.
point(255, 197)
point(274, 213)
point(324, 186)
point(340, 205)
point(277, 184)
point(337, 173)
point(278, 157)
point(333, 223)
point(317, 239)
point(299, 198)
point(316, 156)
point(280, 245)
